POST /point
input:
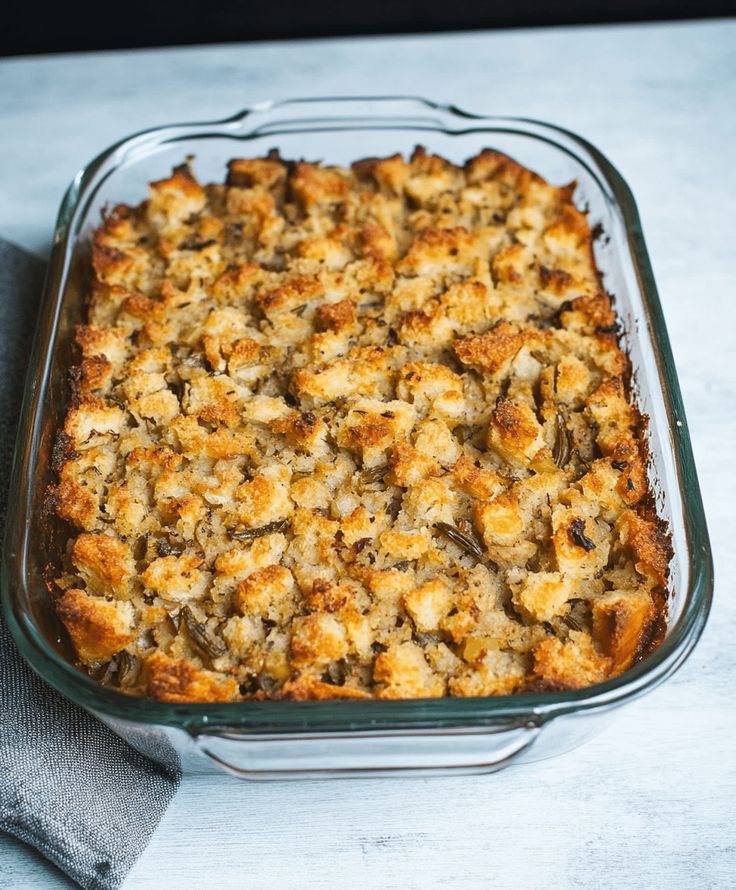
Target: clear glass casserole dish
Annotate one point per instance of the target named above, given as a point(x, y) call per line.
point(277, 739)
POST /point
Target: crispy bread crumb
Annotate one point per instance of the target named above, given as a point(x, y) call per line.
point(354, 433)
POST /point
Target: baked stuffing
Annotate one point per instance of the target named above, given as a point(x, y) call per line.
point(354, 433)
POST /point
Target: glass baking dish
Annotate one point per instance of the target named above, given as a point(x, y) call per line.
point(336, 738)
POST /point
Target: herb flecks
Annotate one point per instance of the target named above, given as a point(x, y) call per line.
point(199, 635)
point(166, 548)
point(249, 534)
point(336, 674)
point(196, 245)
point(467, 543)
point(576, 531)
point(128, 668)
point(562, 448)
point(374, 474)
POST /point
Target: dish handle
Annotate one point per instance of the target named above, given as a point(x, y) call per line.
point(414, 752)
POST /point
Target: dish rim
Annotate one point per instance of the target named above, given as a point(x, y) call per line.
point(335, 716)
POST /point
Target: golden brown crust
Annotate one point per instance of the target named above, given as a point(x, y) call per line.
point(493, 351)
point(179, 680)
point(309, 689)
point(105, 563)
point(336, 316)
point(621, 621)
point(98, 628)
point(569, 665)
point(349, 433)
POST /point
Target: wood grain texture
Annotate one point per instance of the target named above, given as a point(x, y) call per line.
point(650, 802)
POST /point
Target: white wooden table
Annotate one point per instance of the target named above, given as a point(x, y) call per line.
point(652, 802)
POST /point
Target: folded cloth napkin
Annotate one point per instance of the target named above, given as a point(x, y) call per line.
point(68, 786)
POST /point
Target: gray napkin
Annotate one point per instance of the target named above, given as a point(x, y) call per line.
point(68, 786)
